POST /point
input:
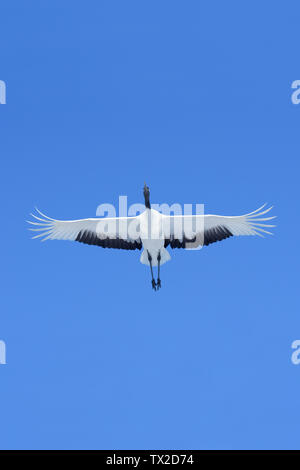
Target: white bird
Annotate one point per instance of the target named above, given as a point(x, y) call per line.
point(152, 231)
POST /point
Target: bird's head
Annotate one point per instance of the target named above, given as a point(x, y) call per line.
point(147, 196)
point(146, 189)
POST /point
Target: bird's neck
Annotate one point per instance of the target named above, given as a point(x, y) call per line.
point(147, 201)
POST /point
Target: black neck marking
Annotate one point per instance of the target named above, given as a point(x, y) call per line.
point(147, 200)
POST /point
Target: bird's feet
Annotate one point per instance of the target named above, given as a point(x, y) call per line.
point(158, 284)
point(153, 284)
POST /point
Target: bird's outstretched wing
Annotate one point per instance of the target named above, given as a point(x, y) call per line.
point(118, 232)
point(192, 231)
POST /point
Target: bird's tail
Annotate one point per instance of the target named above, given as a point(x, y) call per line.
point(165, 256)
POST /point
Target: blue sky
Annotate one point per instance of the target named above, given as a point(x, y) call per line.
point(195, 99)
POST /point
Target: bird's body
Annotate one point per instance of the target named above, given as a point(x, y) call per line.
point(152, 237)
point(152, 231)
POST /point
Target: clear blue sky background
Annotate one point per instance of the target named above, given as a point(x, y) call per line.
point(195, 99)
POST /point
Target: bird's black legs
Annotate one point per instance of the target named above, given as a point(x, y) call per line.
point(158, 284)
point(152, 281)
point(155, 285)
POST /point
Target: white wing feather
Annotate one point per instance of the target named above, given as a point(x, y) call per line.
point(112, 228)
point(186, 227)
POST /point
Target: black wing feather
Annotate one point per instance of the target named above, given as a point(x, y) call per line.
point(211, 235)
point(90, 238)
